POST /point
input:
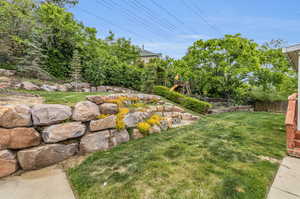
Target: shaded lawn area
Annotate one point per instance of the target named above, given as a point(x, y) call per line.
point(66, 98)
point(216, 158)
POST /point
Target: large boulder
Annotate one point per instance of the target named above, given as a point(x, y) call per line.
point(154, 129)
point(8, 73)
point(46, 114)
point(102, 124)
point(109, 108)
point(64, 131)
point(15, 116)
point(143, 97)
point(62, 88)
point(8, 163)
point(19, 138)
point(49, 88)
point(101, 89)
point(29, 86)
point(95, 142)
point(132, 119)
point(85, 111)
point(136, 134)
point(118, 137)
point(43, 156)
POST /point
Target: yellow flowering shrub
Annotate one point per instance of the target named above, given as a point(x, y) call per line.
point(102, 116)
point(154, 120)
point(144, 127)
point(120, 117)
point(120, 100)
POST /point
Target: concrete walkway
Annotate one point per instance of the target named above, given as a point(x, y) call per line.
point(48, 183)
point(287, 181)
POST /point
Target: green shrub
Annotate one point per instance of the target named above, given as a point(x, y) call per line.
point(271, 95)
point(187, 102)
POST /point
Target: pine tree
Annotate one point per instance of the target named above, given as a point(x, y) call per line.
point(76, 69)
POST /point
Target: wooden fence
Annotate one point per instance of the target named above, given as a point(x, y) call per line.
point(276, 107)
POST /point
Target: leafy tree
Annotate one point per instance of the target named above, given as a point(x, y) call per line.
point(59, 34)
point(123, 49)
point(62, 3)
point(226, 62)
point(16, 28)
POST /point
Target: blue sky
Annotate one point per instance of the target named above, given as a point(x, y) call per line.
point(171, 32)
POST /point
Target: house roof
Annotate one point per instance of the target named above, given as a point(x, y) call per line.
point(293, 53)
point(146, 53)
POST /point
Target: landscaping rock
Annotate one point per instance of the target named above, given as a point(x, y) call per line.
point(62, 88)
point(159, 108)
point(168, 114)
point(95, 142)
point(195, 117)
point(15, 116)
point(142, 97)
point(186, 116)
point(96, 99)
point(64, 131)
point(164, 125)
point(176, 121)
point(102, 124)
point(131, 119)
point(29, 86)
point(85, 111)
point(159, 113)
point(43, 156)
point(168, 108)
point(119, 137)
point(7, 73)
point(68, 86)
point(49, 88)
point(176, 114)
point(136, 134)
point(46, 114)
point(19, 138)
point(86, 90)
point(8, 163)
point(93, 89)
point(169, 122)
point(154, 129)
point(177, 109)
point(101, 89)
point(109, 108)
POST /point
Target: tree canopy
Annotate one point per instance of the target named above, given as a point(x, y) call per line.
point(42, 39)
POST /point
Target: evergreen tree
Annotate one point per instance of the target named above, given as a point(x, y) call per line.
point(76, 69)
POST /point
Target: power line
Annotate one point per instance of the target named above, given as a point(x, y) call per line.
point(173, 16)
point(195, 11)
point(152, 17)
point(132, 15)
point(108, 21)
point(150, 13)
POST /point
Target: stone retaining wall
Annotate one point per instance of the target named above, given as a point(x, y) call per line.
point(45, 134)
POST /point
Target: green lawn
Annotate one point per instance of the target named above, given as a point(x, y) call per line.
point(67, 98)
point(216, 158)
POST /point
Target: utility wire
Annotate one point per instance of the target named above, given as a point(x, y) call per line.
point(135, 5)
point(130, 14)
point(152, 14)
point(108, 21)
point(173, 16)
point(201, 17)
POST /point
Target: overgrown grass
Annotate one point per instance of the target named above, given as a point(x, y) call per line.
point(67, 98)
point(217, 158)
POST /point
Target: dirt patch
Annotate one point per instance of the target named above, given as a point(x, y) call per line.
point(8, 97)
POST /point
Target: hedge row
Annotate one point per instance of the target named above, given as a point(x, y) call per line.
point(187, 102)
